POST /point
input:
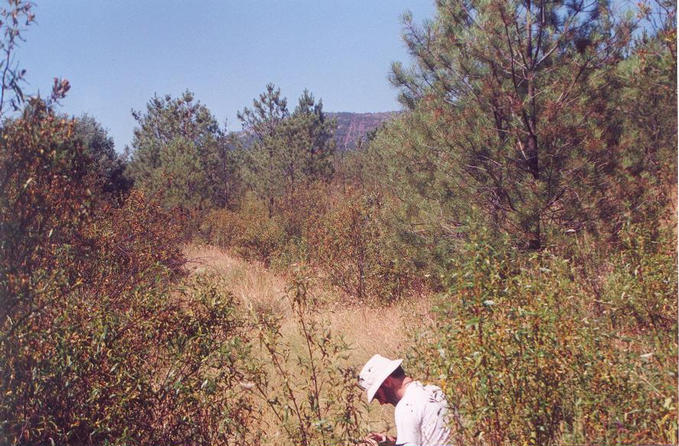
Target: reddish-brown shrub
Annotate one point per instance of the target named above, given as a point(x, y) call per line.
point(251, 232)
point(96, 344)
point(351, 243)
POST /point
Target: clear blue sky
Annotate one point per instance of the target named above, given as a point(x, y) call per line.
point(119, 53)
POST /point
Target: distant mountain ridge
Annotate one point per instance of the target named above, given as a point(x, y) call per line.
point(352, 127)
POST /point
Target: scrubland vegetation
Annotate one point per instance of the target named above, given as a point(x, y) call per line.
point(512, 233)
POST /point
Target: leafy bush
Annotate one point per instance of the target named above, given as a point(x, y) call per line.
point(352, 245)
point(45, 198)
point(146, 371)
point(530, 354)
point(250, 230)
point(95, 347)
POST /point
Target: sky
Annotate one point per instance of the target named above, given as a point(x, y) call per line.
point(117, 54)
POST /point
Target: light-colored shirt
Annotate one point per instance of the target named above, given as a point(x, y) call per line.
point(421, 416)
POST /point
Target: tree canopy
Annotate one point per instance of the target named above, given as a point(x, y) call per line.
point(506, 89)
point(289, 150)
point(179, 152)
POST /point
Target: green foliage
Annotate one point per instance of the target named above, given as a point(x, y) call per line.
point(501, 86)
point(250, 230)
point(530, 354)
point(94, 347)
point(180, 154)
point(109, 165)
point(137, 370)
point(648, 128)
point(288, 151)
point(640, 288)
point(268, 111)
point(47, 194)
point(314, 136)
point(429, 205)
point(343, 233)
point(350, 242)
point(531, 125)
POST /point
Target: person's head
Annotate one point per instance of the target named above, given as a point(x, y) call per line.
point(381, 378)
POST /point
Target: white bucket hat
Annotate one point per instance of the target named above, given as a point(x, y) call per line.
point(374, 372)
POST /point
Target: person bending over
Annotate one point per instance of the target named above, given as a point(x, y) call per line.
point(421, 412)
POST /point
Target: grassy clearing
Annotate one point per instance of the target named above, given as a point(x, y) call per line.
point(366, 329)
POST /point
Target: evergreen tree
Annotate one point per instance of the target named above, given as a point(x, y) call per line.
point(180, 153)
point(110, 166)
point(501, 88)
point(317, 144)
point(646, 106)
point(268, 111)
point(288, 150)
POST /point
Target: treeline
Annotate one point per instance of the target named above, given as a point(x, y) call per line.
point(530, 184)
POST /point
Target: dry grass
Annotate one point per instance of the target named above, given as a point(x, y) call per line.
point(255, 286)
point(383, 330)
point(371, 330)
point(367, 330)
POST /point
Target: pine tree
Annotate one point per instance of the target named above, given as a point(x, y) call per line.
point(288, 150)
point(317, 138)
point(110, 165)
point(180, 154)
point(502, 88)
point(268, 111)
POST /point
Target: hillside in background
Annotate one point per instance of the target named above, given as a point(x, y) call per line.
point(351, 127)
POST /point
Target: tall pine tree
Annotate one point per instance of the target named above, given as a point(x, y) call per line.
point(501, 90)
point(286, 150)
point(180, 154)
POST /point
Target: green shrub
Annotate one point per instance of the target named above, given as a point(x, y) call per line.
point(529, 353)
point(96, 347)
point(250, 231)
